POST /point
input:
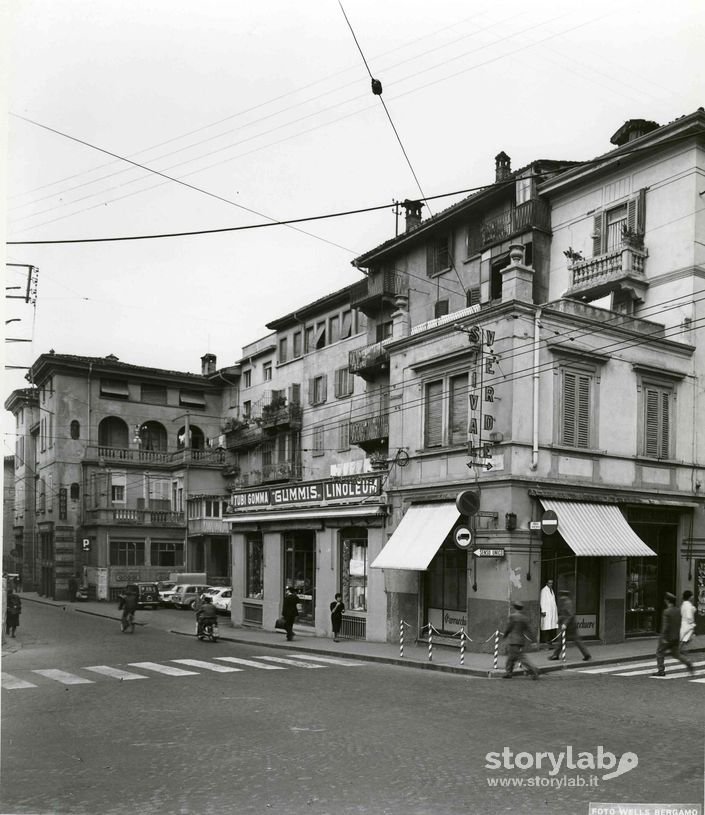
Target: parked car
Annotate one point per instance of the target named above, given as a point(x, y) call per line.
point(221, 600)
point(148, 595)
point(186, 594)
point(166, 592)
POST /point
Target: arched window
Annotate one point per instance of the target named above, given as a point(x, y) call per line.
point(75, 492)
point(113, 432)
point(197, 439)
point(153, 437)
point(75, 429)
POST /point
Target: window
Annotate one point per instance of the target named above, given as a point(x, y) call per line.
point(114, 388)
point(384, 330)
point(165, 553)
point(295, 394)
point(472, 296)
point(334, 329)
point(610, 224)
point(320, 336)
point(524, 190)
point(576, 393)
point(282, 350)
point(267, 372)
point(446, 411)
point(446, 586)
point(127, 553)
point(254, 567)
point(473, 238)
point(75, 491)
point(438, 256)
point(344, 382)
point(75, 429)
point(346, 325)
point(309, 344)
point(353, 569)
point(297, 344)
point(496, 277)
point(318, 390)
point(440, 308)
point(155, 394)
point(118, 483)
point(195, 399)
point(246, 409)
point(318, 434)
point(213, 507)
point(657, 401)
point(247, 379)
point(344, 435)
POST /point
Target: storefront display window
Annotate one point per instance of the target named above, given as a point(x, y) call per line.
point(300, 572)
point(578, 575)
point(254, 568)
point(353, 569)
point(446, 589)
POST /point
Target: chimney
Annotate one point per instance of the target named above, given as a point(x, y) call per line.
point(208, 364)
point(502, 167)
point(413, 214)
point(633, 129)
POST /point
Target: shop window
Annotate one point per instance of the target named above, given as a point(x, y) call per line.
point(75, 429)
point(254, 567)
point(353, 569)
point(127, 553)
point(446, 588)
point(300, 571)
point(165, 553)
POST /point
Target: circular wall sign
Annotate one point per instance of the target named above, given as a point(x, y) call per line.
point(463, 537)
point(468, 502)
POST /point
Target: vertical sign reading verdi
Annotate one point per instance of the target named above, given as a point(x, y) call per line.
point(481, 395)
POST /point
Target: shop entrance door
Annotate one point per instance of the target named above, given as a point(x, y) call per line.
point(445, 589)
point(300, 571)
point(649, 578)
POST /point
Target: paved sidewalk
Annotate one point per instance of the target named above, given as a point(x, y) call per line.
point(416, 655)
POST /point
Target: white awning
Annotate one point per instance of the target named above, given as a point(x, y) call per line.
point(597, 530)
point(418, 537)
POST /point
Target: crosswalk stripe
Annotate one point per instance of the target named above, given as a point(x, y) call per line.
point(250, 663)
point(10, 682)
point(293, 662)
point(63, 676)
point(169, 670)
point(672, 665)
point(607, 668)
point(114, 673)
point(209, 666)
point(331, 660)
point(698, 680)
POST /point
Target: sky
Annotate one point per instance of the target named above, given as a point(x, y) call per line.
point(240, 114)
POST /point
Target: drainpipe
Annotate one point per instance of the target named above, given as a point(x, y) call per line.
point(535, 379)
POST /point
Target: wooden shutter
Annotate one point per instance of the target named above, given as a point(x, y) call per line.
point(294, 394)
point(431, 260)
point(575, 419)
point(440, 308)
point(473, 296)
point(312, 391)
point(657, 423)
point(636, 212)
point(568, 417)
point(458, 409)
point(597, 235)
point(433, 427)
point(583, 413)
point(665, 424)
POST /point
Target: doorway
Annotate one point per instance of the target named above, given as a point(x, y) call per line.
point(300, 571)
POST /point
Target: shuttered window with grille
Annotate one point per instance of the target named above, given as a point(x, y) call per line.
point(575, 409)
point(610, 224)
point(458, 419)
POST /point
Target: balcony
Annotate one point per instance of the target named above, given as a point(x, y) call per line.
point(534, 214)
point(277, 417)
point(248, 435)
point(167, 458)
point(371, 432)
point(281, 471)
point(367, 362)
point(620, 269)
point(134, 517)
point(377, 290)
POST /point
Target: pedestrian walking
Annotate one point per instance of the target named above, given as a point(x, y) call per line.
point(687, 618)
point(549, 612)
point(669, 641)
point(12, 613)
point(336, 615)
point(568, 623)
point(516, 634)
point(73, 588)
point(290, 611)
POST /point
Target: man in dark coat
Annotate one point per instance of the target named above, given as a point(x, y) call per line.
point(516, 634)
point(12, 613)
point(669, 642)
point(567, 623)
point(129, 602)
point(290, 611)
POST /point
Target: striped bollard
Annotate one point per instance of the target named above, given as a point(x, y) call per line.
point(430, 643)
point(462, 646)
point(563, 646)
point(496, 649)
point(401, 639)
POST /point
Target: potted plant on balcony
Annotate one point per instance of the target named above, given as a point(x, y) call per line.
point(573, 255)
point(231, 471)
point(632, 237)
point(378, 461)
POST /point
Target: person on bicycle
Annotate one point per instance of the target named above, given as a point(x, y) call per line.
point(129, 604)
point(206, 612)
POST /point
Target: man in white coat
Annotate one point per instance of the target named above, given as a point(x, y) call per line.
point(549, 612)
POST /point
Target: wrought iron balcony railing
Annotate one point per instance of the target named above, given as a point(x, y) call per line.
point(368, 360)
point(534, 214)
point(370, 431)
point(379, 286)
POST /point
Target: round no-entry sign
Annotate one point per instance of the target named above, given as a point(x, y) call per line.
point(549, 522)
point(463, 537)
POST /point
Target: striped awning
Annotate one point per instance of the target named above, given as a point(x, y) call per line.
point(418, 537)
point(596, 530)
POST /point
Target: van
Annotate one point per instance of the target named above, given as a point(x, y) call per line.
point(147, 595)
point(186, 594)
